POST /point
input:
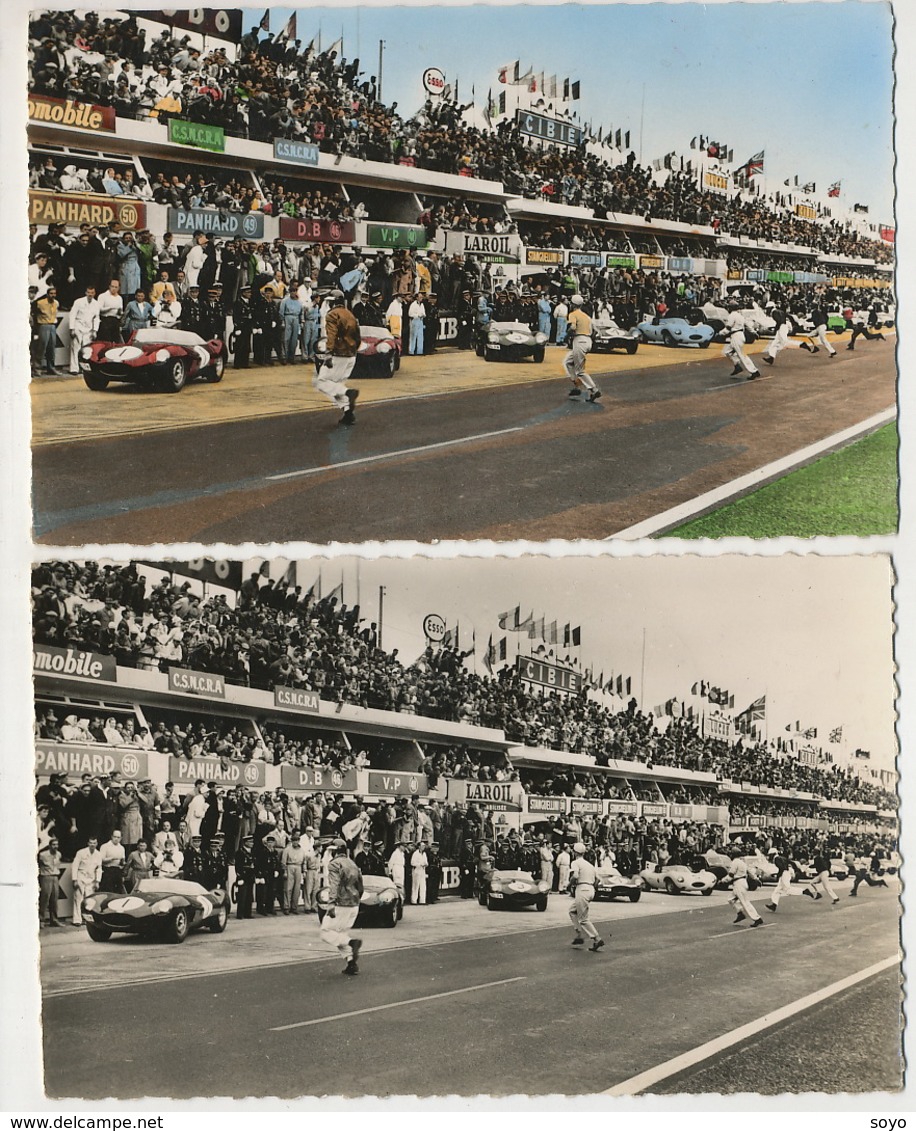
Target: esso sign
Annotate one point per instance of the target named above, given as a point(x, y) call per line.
point(433, 80)
point(434, 627)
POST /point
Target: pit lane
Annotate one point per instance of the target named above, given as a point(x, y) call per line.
point(469, 449)
point(461, 1000)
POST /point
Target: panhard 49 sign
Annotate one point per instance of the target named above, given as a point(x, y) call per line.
point(73, 209)
point(504, 797)
point(71, 661)
point(311, 230)
point(66, 112)
point(214, 222)
point(307, 777)
point(250, 774)
point(76, 759)
point(396, 783)
point(549, 674)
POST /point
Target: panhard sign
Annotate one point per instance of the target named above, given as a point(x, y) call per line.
point(396, 783)
point(546, 256)
point(197, 134)
point(308, 777)
point(546, 804)
point(66, 112)
point(548, 129)
point(504, 797)
point(301, 152)
point(208, 684)
point(76, 759)
point(73, 209)
point(317, 231)
point(250, 774)
point(563, 679)
point(72, 661)
point(297, 699)
point(215, 222)
point(396, 235)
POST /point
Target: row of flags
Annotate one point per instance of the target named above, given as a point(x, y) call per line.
point(537, 628)
point(289, 33)
point(539, 83)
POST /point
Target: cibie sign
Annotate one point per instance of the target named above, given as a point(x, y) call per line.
point(433, 80)
point(434, 627)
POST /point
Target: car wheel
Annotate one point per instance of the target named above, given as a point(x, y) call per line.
point(482, 898)
point(632, 347)
point(176, 378)
point(708, 891)
point(391, 916)
point(95, 381)
point(646, 886)
point(487, 355)
point(216, 370)
point(479, 349)
point(400, 911)
point(541, 904)
point(98, 934)
point(218, 925)
point(538, 356)
point(667, 339)
point(180, 926)
point(704, 345)
point(389, 365)
point(491, 906)
point(671, 887)
point(634, 896)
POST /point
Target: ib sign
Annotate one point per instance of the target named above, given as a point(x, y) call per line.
point(433, 80)
point(434, 627)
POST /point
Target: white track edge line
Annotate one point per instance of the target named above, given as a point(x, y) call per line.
point(393, 455)
point(703, 1052)
point(728, 491)
point(393, 1005)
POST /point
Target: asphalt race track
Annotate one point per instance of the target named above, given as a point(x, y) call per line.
point(461, 1000)
point(467, 449)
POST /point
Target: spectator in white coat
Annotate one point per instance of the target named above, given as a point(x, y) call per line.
point(84, 326)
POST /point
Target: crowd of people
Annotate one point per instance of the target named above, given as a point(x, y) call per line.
point(278, 635)
point(279, 89)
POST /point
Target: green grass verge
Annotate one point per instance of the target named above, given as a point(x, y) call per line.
point(853, 491)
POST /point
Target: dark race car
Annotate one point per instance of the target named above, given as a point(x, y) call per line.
point(511, 341)
point(611, 884)
point(160, 359)
point(608, 336)
point(516, 889)
point(379, 353)
point(165, 908)
point(380, 903)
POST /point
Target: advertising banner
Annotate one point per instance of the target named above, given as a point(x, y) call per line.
point(76, 758)
point(214, 222)
point(547, 804)
point(396, 235)
point(549, 257)
point(586, 805)
point(805, 212)
point(396, 783)
point(717, 182)
point(185, 770)
point(317, 231)
point(70, 661)
point(505, 797)
point(548, 129)
point(614, 260)
point(433, 81)
point(887, 233)
point(66, 112)
point(486, 248)
point(222, 23)
point(310, 778)
point(74, 208)
point(780, 276)
point(680, 263)
point(299, 152)
point(561, 679)
point(622, 808)
point(584, 259)
point(652, 809)
point(198, 134)
point(651, 261)
point(716, 724)
point(448, 326)
point(297, 699)
point(212, 570)
point(209, 685)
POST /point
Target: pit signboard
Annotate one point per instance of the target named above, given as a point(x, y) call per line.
point(188, 770)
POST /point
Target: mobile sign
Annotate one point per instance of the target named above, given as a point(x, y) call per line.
point(66, 112)
point(72, 661)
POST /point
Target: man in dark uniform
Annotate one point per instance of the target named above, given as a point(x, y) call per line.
point(193, 868)
point(242, 325)
point(466, 312)
point(267, 875)
point(433, 874)
point(371, 861)
point(266, 325)
point(369, 311)
point(192, 313)
point(467, 864)
point(244, 878)
point(431, 325)
point(215, 865)
point(215, 314)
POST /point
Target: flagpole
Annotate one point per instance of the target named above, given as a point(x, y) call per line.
point(381, 610)
point(381, 53)
point(642, 674)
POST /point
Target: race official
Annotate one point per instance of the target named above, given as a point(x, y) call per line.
point(579, 338)
point(345, 887)
point(582, 872)
point(292, 861)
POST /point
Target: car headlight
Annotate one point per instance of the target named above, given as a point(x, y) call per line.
point(363, 346)
point(90, 904)
point(162, 907)
point(543, 885)
point(86, 353)
point(383, 347)
point(540, 338)
point(162, 355)
point(387, 897)
point(494, 337)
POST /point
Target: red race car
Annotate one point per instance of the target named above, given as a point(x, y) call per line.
point(162, 359)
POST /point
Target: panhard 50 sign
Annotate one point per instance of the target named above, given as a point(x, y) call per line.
point(562, 679)
point(66, 112)
point(310, 230)
point(73, 209)
point(250, 774)
point(307, 777)
point(71, 661)
point(396, 783)
point(503, 797)
point(77, 759)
